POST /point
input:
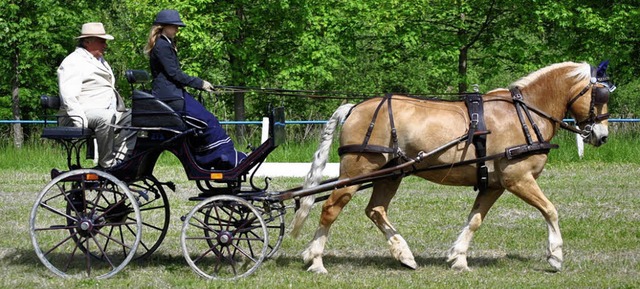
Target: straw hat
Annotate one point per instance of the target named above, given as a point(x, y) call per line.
point(94, 29)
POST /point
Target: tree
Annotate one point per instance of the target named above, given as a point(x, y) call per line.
point(33, 40)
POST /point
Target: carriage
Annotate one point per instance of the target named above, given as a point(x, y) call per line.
point(89, 222)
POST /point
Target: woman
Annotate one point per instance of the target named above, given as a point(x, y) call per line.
point(213, 148)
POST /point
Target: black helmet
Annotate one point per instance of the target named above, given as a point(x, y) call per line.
point(170, 17)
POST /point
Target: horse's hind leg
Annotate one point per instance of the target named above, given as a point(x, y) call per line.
point(330, 211)
point(458, 253)
point(529, 191)
point(383, 192)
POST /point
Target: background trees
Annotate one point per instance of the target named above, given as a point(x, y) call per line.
point(350, 48)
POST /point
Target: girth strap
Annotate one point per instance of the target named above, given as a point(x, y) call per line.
point(476, 115)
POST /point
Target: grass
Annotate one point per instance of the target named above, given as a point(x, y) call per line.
point(598, 205)
point(597, 199)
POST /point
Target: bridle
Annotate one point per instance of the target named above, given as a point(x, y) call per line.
point(600, 90)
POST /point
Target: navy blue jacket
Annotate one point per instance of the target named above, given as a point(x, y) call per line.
point(168, 79)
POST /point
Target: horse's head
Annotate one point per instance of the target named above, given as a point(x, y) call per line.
point(589, 106)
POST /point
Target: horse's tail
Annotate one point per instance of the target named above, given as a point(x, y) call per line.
point(320, 157)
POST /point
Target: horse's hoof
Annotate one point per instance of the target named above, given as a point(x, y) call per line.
point(555, 263)
point(317, 269)
point(411, 265)
point(460, 266)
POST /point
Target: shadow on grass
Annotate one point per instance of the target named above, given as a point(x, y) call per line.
point(174, 262)
point(388, 262)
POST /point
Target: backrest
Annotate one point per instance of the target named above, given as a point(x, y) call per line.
point(148, 111)
point(137, 77)
point(49, 102)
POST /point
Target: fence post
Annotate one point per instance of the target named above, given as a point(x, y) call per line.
point(265, 129)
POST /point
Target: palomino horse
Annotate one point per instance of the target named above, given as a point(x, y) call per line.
point(377, 134)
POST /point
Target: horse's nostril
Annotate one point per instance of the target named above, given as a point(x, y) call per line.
point(603, 139)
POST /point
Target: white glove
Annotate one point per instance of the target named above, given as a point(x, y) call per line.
point(207, 86)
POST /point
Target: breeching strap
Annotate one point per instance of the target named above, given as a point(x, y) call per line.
point(365, 147)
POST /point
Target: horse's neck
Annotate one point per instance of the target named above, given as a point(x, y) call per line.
point(551, 99)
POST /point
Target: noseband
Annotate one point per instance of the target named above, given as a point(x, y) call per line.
point(599, 96)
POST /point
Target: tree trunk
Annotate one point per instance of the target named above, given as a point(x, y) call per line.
point(239, 114)
point(18, 135)
point(237, 67)
point(462, 69)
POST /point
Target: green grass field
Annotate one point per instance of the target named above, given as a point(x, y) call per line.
point(598, 199)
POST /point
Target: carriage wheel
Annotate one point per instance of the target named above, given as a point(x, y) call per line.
point(154, 209)
point(85, 223)
point(235, 240)
point(273, 212)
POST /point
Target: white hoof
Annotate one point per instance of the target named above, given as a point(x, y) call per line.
point(555, 263)
point(460, 265)
point(458, 261)
point(317, 269)
point(411, 264)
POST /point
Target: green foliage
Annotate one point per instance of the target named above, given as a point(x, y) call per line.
point(347, 48)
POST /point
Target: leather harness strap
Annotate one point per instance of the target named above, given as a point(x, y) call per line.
point(476, 123)
point(365, 147)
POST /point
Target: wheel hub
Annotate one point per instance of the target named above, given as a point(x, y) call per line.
point(86, 225)
point(225, 238)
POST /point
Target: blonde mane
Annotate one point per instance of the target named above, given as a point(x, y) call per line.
point(580, 71)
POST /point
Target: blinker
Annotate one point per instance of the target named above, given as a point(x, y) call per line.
point(600, 95)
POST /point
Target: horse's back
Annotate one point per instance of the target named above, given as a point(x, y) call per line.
point(414, 120)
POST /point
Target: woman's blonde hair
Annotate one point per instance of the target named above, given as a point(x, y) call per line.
point(156, 30)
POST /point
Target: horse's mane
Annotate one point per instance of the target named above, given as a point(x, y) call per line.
point(580, 71)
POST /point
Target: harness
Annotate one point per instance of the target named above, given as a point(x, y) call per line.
point(365, 147)
point(477, 132)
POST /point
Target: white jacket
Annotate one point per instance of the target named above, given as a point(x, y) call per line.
point(86, 83)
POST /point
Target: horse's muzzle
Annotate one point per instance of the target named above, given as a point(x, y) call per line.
point(598, 136)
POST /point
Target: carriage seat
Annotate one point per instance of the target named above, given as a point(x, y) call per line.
point(58, 131)
point(148, 111)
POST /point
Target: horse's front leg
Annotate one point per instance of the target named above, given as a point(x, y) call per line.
point(330, 211)
point(529, 191)
point(458, 253)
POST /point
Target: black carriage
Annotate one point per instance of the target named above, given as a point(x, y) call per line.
point(93, 222)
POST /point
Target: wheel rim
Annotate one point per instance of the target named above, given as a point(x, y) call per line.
point(85, 223)
point(273, 212)
point(224, 237)
point(155, 212)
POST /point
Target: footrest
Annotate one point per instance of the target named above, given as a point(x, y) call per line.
point(66, 132)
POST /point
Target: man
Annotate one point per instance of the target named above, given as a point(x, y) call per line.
point(88, 97)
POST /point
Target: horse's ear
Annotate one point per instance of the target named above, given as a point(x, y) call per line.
point(602, 68)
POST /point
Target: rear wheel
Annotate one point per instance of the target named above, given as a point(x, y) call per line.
point(273, 216)
point(154, 209)
point(224, 237)
point(85, 223)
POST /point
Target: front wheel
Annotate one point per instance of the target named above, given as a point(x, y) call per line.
point(224, 237)
point(85, 223)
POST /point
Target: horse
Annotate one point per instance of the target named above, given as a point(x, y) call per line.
point(385, 131)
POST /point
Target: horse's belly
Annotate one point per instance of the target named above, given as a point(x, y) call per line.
point(458, 176)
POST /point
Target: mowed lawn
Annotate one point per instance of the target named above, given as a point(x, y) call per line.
point(598, 203)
